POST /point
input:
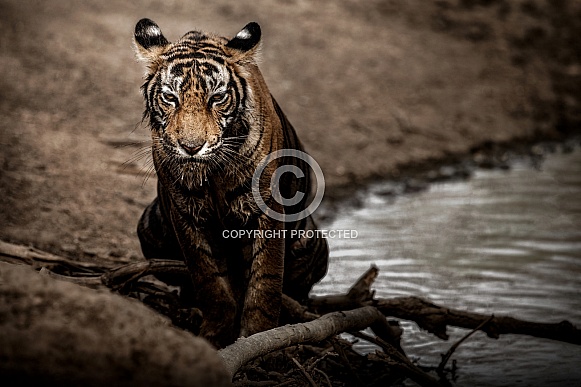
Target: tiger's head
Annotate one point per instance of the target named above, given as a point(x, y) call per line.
point(202, 100)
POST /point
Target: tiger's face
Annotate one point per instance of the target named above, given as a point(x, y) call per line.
point(194, 112)
point(197, 99)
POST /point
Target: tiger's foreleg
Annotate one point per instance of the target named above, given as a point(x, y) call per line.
point(264, 292)
point(213, 293)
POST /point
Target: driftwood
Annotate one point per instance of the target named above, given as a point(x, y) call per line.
point(318, 321)
point(435, 319)
point(259, 344)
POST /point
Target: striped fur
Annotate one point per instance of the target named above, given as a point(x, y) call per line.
point(212, 121)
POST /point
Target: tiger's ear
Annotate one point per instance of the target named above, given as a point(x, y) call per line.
point(246, 42)
point(149, 41)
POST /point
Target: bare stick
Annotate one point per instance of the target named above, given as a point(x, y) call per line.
point(304, 372)
point(448, 354)
point(259, 344)
point(361, 290)
point(321, 357)
point(134, 271)
point(123, 274)
point(93, 281)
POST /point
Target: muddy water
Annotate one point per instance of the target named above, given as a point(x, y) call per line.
point(502, 242)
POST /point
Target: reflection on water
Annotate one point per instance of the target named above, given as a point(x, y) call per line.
point(502, 242)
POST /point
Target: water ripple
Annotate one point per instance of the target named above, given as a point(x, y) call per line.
point(507, 243)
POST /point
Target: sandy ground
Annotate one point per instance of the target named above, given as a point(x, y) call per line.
point(373, 88)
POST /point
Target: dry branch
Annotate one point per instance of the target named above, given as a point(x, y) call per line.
point(304, 372)
point(259, 344)
point(357, 295)
point(435, 319)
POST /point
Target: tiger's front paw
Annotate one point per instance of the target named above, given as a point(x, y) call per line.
point(218, 325)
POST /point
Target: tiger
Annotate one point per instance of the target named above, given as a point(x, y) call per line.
point(213, 121)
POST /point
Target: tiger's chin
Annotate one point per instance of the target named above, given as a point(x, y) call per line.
point(195, 173)
point(192, 175)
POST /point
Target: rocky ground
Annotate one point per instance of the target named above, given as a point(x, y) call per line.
point(374, 89)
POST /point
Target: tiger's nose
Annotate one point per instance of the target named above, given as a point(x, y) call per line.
point(191, 148)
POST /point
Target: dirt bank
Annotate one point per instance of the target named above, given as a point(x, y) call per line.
point(372, 87)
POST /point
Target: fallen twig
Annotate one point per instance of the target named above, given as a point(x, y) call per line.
point(448, 354)
point(304, 372)
point(92, 281)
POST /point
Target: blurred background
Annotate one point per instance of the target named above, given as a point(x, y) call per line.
point(372, 88)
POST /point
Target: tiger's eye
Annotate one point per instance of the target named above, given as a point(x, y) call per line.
point(218, 98)
point(170, 98)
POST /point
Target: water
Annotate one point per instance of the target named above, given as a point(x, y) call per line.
point(501, 242)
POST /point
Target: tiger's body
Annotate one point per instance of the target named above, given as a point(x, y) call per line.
point(213, 120)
